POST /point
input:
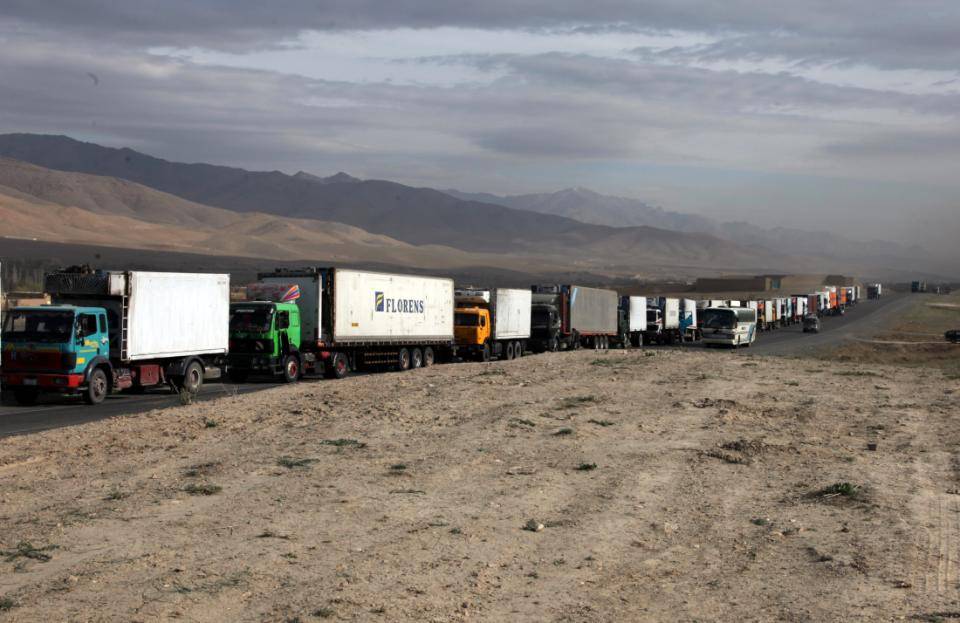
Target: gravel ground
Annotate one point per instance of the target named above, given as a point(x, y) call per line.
point(626, 486)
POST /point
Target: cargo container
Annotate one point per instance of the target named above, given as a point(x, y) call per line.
point(918, 286)
point(632, 321)
point(770, 314)
point(492, 323)
point(663, 322)
point(107, 331)
point(569, 316)
point(689, 329)
point(733, 303)
point(874, 290)
point(358, 319)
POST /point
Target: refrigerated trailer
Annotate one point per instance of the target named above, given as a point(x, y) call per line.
point(492, 323)
point(358, 319)
point(569, 316)
point(108, 331)
point(631, 321)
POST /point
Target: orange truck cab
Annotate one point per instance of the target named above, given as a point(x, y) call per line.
point(491, 323)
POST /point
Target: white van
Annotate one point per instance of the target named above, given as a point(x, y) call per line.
point(730, 326)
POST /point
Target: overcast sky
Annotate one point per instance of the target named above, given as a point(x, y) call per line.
point(813, 114)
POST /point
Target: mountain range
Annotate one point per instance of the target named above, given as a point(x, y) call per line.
point(135, 199)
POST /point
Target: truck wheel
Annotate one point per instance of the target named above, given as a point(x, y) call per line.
point(518, 349)
point(192, 378)
point(25, 396)
point(485, 353)
point(97, 388)
point(291, 369)
point(403, 360)
point(428, 357)
point(508, 350)
point(416, 358)
point(554, 345)
point(238, 376)
point(337, 367)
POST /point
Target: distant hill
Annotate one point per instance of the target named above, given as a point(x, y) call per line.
point(418, 216)
point(588, 206)
point(591, 207)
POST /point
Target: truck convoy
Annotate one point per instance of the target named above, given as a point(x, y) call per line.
point(111, 331)
point(356, 319)
point(492, 323)
point(566, 317)
point(107, 331)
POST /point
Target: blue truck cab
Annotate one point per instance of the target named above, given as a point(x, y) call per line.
point(56, 349)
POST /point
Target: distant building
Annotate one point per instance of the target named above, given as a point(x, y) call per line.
point(784, 284)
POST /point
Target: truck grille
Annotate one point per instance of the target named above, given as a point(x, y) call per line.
point(25, 360)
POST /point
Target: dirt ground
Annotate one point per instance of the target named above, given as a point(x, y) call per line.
point(626, 486)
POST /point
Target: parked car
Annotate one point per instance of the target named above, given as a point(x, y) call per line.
point(811, 323)
point(953, 336)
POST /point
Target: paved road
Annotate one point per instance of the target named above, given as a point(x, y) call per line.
point(56, 412)
point(863, 319)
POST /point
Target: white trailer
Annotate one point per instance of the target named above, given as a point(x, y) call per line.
point(492, 323)
point(353, 319)
point(121, 330)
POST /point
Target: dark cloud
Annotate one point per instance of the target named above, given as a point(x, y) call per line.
point(920, 33)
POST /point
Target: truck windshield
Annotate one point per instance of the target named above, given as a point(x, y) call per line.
point(462, 319)
point(540, 318)
point(652, 315)
point(38, 326)
point(253, 319)
point(719, 318)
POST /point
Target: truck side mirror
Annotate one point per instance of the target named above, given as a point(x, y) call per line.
point(283, 320)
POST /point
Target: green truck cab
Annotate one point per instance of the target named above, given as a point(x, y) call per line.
point(264, 340)
point(56, 349)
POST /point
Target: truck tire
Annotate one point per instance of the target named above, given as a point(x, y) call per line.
point(403, 360)
point(192, 379)
point(337, 367)
point(485, 353)
point(26, 396)
point(416, 358)
point(97, 387)
point(518, 349)
point(291, 369)
point(554, 345)
point(508, 351)
point(428, 357)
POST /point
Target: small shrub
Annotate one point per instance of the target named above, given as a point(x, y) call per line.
point(210, 423)
point(343, 443)
point(842, 489)
point(202, 489)
point(6, 604)
point(601, 422)
point(573, 402)
point(115, 494)
point(563, 431)
point(289, 462)
point(25, 549)
point(586, 467)
point(186, 397)
point(323, 612)
point(398, 467)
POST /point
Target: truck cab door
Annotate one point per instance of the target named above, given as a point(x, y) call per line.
point(90, 342)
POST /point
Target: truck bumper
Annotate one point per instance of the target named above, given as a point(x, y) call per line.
point(256, 364)
point(50, 382)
